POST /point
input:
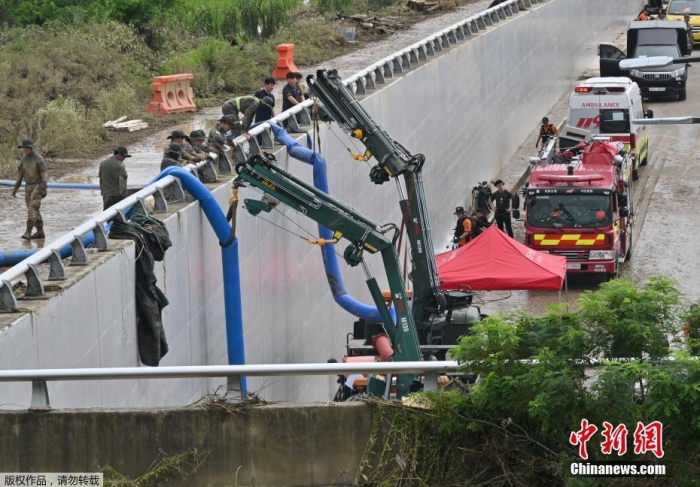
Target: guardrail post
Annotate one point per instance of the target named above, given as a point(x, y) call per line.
point(388, 73)
point(253, 144)
point(234, 390)
point(421, 53)
point(486, 19)
point(100, 236)
point(225, 164)
point(159, 203)
point(208, 171)
point(474, 26)
point(379, 75)
point(405, 61)
point(451, 36)
point(369, 82)
point(430, 381)
point(429, 50)
point(524, 4)
point(360, 87)
point(140, 207)
point(266, 141)
point(304, 116)
point(293, 124)
point(514, 8)
point(396, 66)
point(458, 34)
point(177, 194)
point(79, 256)
point(466, 30)
point(412, 56)
point(238, 152)
point(8, 301)
point(40, 396)
point(437, 45)
point(34, 285)
point(57, 271)
point(444, 41)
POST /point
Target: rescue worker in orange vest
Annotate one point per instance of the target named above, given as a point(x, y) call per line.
point(547, 130)
point(644, 14)
point(464, 231)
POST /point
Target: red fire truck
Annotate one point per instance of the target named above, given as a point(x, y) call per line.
point(582, 209)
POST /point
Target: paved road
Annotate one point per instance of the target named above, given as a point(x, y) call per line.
point(666, 239)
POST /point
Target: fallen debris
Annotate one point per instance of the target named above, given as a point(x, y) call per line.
point(119, 125)
point(428, 6)
point(378, 25)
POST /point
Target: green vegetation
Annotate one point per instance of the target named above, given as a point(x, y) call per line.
point(513, 426)
point(70, 65)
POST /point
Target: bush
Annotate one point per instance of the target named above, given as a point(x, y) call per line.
point(513, 426)
point(332, 6)
point(262, 18)
point(218, 67)
point(61, 128)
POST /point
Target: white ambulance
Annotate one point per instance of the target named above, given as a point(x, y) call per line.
point(608, 106)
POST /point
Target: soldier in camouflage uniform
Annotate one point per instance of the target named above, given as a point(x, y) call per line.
point(113, 178)
point(247, 106)
point(172, 157)
point(32, 169)
point(180, 138)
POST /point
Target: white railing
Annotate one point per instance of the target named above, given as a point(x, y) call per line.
point(39, 377)
point(96, 226)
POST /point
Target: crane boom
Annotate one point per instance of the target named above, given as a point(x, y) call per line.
point(393, 160)
point(345, 222)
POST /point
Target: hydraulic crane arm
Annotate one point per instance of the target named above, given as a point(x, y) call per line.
point(344, 221)
point(394, 160)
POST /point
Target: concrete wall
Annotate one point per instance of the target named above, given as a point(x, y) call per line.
point(277, 445)
point(466, 110)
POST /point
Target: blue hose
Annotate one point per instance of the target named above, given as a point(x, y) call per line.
point(330, 260)
point(5, 182)
point(229, 258)
point(10, 258)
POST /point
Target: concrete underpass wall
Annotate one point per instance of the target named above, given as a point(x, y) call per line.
point(466, 110)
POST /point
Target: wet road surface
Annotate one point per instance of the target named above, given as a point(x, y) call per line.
point(666, 237)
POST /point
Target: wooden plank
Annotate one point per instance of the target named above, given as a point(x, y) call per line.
point(111, 123)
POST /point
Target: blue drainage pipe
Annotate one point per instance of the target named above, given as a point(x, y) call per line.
point(330, 260)
point(10, 258)
point(5, 182)
point(229, 258)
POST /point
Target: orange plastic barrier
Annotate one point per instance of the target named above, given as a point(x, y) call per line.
point(172, 94)
point(285, 62)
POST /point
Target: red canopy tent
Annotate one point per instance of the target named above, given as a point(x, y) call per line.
point(493, 261)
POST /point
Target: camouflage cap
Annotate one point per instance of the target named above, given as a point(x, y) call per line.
point(122, 150)
point(27, 143)
point(268, 101)
point(227, 119)
point(179, 134)
point(197, 135)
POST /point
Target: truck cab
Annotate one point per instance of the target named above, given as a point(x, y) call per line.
point(609, 106)
point(583, 210)
point(647, 39)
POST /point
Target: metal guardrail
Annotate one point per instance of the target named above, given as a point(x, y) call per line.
point(361, 83)
point(380, 72)
point(52, 252)
point(39, 377)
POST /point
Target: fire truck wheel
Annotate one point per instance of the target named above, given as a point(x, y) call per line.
point(645, 160)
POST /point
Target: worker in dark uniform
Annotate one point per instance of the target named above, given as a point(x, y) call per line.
point(501, 205)
point(180, 138)
point(32, 169)
point(482, 221)
point(547, 131)
point(113, 178)
point(464, 231)
point(248, 106)
point(222, 129)
point(172, 157)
